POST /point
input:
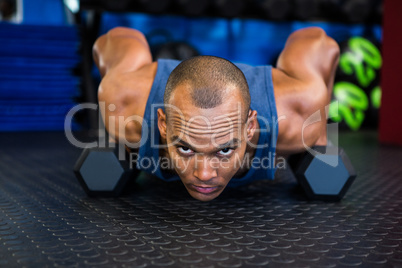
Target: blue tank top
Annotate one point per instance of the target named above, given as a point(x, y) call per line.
point(259, 79)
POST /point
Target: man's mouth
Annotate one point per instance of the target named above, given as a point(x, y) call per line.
point(204, 189)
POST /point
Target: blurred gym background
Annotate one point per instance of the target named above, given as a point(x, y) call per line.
point(45, 49)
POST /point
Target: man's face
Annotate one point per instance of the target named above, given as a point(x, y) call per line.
point(206, 146)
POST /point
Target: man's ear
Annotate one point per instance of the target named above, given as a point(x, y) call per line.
point(162, 123)
point(251, 124)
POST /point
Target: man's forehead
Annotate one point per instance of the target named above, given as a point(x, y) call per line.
point(206, 129)
point(206, 123)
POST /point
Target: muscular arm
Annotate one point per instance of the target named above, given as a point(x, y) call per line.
point(303, 85)
point(309, 56)
point(123, 58)
point(121, 50)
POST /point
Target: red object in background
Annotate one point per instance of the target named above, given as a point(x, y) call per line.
point(391, 82)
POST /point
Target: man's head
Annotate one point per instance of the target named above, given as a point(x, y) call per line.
point(207, 123)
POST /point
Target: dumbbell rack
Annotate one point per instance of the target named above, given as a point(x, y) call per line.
point(37, 81)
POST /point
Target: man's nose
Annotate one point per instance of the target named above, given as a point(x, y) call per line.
point(204, 169)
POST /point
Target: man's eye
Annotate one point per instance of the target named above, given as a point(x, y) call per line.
point(185, 150)
point(225, 151)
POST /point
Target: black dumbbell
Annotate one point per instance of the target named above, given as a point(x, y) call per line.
point(192, 7)
point(154, 6)
point(351, 11)
point(273, 9)
point(357, 11)
point(306, 9)
point(116, 6)
point(101, 172)
point(326, 174)
point(228, 8)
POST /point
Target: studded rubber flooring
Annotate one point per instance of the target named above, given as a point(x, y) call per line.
point(46, 220)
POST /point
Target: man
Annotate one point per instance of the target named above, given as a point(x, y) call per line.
point(216, 122)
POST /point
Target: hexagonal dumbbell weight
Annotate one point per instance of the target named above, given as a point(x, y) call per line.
point(101, 173)
point(325, 175)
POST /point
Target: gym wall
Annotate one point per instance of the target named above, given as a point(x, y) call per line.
point(247, 39)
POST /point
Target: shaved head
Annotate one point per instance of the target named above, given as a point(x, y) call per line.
point(207, 124)
point(209, 79)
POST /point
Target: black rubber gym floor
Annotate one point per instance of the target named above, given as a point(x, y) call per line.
point(46, 219)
